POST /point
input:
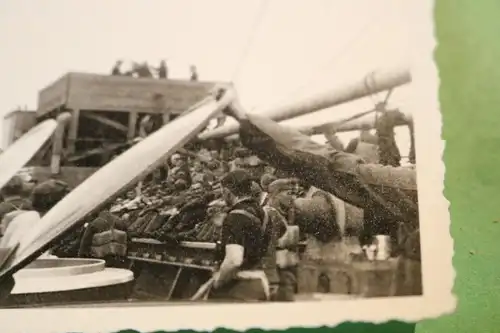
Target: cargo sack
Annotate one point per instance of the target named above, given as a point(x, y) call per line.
point(111, 242)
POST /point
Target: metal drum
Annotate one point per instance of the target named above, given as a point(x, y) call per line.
point(69, 280)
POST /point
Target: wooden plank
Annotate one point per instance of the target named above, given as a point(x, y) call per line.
point(73, 131)
point(96, 151)
point(132, 125)
point(117, 93)
point(105, 121)
point(174, 283)
point(172, 263)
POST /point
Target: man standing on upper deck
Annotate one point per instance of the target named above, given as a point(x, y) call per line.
point(162, 70)
point(116, 70)
point(388, 192)
point(194, 73)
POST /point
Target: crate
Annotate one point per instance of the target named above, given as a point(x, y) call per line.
point(332, 277)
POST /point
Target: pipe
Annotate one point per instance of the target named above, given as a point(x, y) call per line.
point(373, 83)
point(354, 125)
point(57, 142)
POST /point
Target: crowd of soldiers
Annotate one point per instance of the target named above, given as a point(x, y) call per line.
point(144, 70)
point(258, 200)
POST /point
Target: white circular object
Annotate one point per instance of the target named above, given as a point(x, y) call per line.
point(61, 267)
point(65, 274)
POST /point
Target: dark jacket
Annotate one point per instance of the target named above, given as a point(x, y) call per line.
point(248, 232)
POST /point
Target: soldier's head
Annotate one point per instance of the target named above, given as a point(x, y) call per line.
point(302, 187)
point(177, 160)
point(266, 180)
point(256, 190)
point(281, 193)
point(236, 184)
point(47, 194)
point(216, 212)
point(214, 154)
point(213, 165)
point(14, 187)
point(180, 185)
point(131, 194)
point(197, 166)
point(241, 152)
point(197, 188)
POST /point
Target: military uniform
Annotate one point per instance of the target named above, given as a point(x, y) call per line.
point(388, 192)
point(245, 225)
point(285, 237)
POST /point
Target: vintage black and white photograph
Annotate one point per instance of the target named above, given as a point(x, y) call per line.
point(209, 155)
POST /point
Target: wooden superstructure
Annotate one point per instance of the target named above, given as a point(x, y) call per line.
point(106, 110)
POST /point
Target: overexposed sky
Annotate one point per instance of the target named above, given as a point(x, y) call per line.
point(298, 47)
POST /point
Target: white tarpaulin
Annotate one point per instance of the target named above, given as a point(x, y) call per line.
point(22, 150)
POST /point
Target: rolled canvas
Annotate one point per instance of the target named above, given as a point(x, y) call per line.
point(104, 185)
point(23, 149)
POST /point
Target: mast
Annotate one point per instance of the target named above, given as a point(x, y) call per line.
point(367, 121)
point(354, 125)
point(370, 84)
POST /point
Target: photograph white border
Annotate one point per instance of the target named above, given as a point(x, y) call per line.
point(436, 243)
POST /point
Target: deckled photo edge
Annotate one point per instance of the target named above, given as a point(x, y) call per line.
point(436, 243)
point(435, 221)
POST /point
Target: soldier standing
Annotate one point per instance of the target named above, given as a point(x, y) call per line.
point(194, 73)
point(245, 240)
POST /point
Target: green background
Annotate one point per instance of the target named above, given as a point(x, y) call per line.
point(468, 59)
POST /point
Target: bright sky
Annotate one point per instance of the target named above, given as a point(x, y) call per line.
point(299, 46)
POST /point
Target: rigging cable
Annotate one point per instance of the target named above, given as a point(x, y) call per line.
point(251, 38)
point(221, 119)
point(336, 57)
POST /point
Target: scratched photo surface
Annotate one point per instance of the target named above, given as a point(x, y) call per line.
point(208, 158)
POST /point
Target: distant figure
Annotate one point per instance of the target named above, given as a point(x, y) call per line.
point(162, 70)
point(117, 68)
point(145, 126)
point(389, 151)
point(366, 146)
point(142, 70)
point(194, 73)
